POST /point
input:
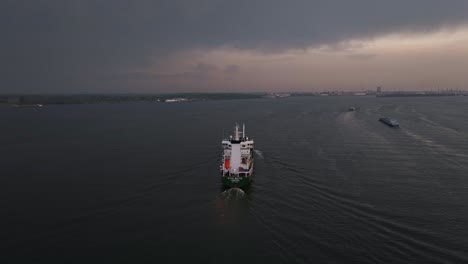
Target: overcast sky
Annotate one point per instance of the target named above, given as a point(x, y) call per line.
point(80, 46)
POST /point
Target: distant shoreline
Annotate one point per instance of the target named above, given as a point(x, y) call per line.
point(45, 99)
point(21, 100)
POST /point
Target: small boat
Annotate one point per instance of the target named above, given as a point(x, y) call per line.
point(352, 109)
point(389, 122)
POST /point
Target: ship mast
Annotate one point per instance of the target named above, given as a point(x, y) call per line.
point(243, 130)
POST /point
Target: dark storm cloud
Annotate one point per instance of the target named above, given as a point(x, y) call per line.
point(60, 45)
point(200, 70)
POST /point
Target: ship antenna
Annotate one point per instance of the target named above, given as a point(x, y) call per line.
point(243, 130)
point(237, 131)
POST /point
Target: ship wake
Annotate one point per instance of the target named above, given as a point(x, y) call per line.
point(232, 194)
point(259, 153)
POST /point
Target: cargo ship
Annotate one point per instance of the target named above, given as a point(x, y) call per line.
point(389, 122)
point(237, 164)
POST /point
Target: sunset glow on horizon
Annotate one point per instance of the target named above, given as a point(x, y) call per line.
point(396, 61)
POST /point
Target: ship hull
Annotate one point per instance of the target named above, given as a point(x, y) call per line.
point(234, 182)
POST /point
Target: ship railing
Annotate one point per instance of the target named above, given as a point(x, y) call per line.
point(238, 175)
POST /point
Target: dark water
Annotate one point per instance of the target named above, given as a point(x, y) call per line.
point(139, 183)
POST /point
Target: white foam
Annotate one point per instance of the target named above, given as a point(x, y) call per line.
point(259, 153)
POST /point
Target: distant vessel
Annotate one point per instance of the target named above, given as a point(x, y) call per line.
point(237, 159)
point(389, 122)
point(354, 108)
point(27, 105)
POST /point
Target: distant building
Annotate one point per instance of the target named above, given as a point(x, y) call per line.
point(379, 90)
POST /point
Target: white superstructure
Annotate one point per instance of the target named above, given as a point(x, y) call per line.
point(237, 156)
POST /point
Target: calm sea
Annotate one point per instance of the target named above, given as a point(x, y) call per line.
point(139, 183)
